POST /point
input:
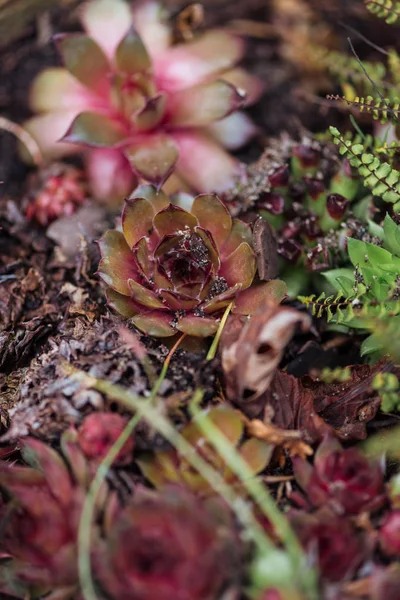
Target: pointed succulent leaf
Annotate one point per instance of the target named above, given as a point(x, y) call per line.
point(47, 460)
point(153, 157)
point(302, 472)
point(240, 232)
point(172, 219)
point(213, 216)
point(158, 199)
point(256, 453)
point(124, 305)
point(144, 296)
point(176, 301)
point(74, 455)
point(155, 323)
point(250, 300)
point(144, 259)
point(327, 447)
point(203, 104)
point(85, 60)
point(137, 220)
point(208, 240)
point(240, 266)
point(197, 326)
point(118, 263)
point(131, 56)
point(222, 300)
point(95, 129)
point(151, 114)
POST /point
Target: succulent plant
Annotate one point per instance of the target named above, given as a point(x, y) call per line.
point(39, 531)
point(342, 479)
point(97, 434)
point(167, 466)
point(172, 270)
point(56, 191)
point(331, 541)
point(167, 546)
point(143, 106)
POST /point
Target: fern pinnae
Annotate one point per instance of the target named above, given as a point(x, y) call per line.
point(385, 9)
point(382, 111)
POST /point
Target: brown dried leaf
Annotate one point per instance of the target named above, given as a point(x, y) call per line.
point(266, 249)
point(290, 440)
point(251, 350)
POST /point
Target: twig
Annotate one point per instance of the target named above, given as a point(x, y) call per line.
point(25, 138)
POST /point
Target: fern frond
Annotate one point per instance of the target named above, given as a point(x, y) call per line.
point(381, 110)
point(380, 177)
point(385, 9)
point(347, 69)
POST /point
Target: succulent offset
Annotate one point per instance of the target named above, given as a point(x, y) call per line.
point(172, 270)
point(142, 106)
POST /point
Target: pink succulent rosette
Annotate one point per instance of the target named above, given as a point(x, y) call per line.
point(172, 270)
point(142, 106)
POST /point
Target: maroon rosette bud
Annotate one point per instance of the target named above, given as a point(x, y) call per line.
point(343, 479)
point(166, 546)
point(172, 270)
point(305, 160)
point(272, 202)
point(290, 250)
point(336, 205)
point(332, 543)
point(97, 434)
point(280, 177)
point(389, 534)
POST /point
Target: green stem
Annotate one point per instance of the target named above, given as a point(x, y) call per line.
point(213, 348)
point(88, 509)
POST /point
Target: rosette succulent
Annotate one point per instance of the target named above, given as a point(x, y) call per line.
point(172, 270)
point(142, 106)
point(167, 546)
point(343, 479)
point(39, 534)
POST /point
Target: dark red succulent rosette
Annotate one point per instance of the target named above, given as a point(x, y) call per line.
point(172, 270)
point(343, 479)
point(165, 546)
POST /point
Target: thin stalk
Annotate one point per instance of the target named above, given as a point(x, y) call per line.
point(25, 137)
point(213, 348)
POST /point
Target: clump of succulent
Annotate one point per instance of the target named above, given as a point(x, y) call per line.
point(167, 546)
point(97, 434)
point(141, 106)
point(39, 528)
point(56, 191)
point(168, 466)
point(171, 270)
point(308, 196)
point(342, 479)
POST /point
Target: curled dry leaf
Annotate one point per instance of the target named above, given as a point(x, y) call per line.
point(290, 440)
point(251, 350)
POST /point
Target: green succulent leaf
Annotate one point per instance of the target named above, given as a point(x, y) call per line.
point(84, 59)
point(96, 129)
